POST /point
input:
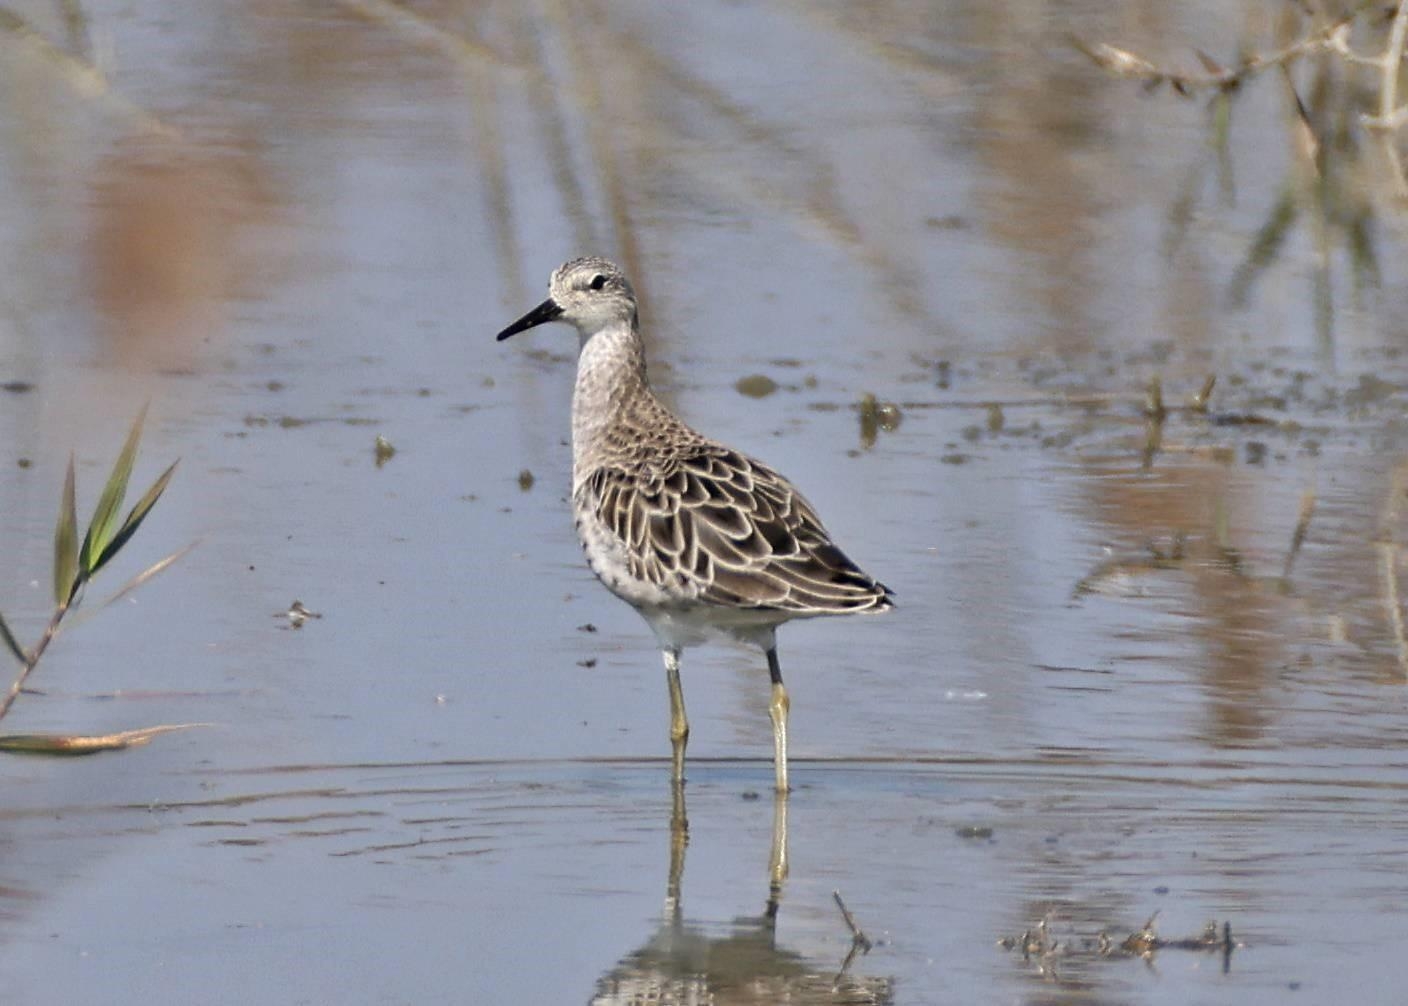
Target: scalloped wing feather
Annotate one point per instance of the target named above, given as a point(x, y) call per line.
point(717, 527)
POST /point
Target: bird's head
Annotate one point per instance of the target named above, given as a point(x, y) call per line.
point(588, 293)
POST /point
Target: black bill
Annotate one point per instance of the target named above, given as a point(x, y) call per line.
point(545, 312)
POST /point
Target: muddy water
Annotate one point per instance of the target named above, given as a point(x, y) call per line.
point(1113, 686)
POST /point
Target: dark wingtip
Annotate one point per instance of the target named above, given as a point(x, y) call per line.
point(882, 600)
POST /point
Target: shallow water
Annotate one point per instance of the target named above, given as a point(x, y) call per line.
point(1105, 692)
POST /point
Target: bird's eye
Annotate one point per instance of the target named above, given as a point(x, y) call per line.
point(598, 281)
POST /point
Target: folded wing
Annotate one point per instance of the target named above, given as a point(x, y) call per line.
point(714, 526)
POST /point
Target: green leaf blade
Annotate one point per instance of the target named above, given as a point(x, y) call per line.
point(135, 517)
point(11, 642)
point(104, 524)
point(66, 543)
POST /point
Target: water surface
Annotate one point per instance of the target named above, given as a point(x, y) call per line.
point(1105, 692)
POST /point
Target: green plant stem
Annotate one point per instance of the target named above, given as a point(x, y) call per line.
point(32, 659)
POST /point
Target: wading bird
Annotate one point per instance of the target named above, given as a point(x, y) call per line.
point(696, 536)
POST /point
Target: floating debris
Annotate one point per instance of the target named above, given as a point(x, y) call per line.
point(1154, 400)
point(298, 422)
point(1039, 944)
point(384, 449)
point(525, 480)
point(755, 386)
point(1199, 401)
point(1242, 419)
point(1153, 441)
point(875, 416)
point(974, 832)
point(297, 615)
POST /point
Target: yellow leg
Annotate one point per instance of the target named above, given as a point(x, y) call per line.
point(679, 840)
point(777, 862)
point(777, 865)
point(679, 723)
point(777, 709)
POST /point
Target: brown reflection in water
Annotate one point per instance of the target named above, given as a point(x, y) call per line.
point(165, 253)
point(1056, 170)
point(15, 902)
point(550, 109)
point(608, 91)
point(1040, 195)
point(657, 133)
point(685, 962)
point(1240, 623)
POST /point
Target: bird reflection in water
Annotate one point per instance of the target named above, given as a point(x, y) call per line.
point(693, 962)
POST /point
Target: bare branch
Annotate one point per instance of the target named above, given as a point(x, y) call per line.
point(1123, 63)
